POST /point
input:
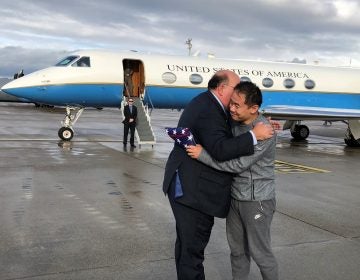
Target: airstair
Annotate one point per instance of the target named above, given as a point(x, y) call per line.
point(144, 133)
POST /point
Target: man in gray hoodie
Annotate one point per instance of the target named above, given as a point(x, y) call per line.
point(252, 190)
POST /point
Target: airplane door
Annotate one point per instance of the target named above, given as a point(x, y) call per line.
point(134, 79)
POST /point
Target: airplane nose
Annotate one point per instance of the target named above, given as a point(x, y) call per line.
point(5, 88)
point(12, 88)
point(10, 85)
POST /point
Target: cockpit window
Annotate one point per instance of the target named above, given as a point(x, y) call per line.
point(67, 60)
point(82, 62)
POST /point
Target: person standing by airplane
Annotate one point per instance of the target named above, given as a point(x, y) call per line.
point(196, 192)
point(130, 113)
point(128, 82)
point(252, 190)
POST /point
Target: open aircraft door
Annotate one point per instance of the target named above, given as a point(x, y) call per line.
point(134, 78)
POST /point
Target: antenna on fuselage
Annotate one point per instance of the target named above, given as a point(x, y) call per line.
point(188, 43)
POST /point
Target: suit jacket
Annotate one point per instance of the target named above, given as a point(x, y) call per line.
point(128, 115)
point(205, 188)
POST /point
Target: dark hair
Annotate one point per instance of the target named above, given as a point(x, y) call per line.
point(217, 80)
point(253, 95)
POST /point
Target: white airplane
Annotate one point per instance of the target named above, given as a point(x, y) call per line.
point(6, 97)
point(291, 92)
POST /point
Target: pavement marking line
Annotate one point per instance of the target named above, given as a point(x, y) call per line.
point(286, 167)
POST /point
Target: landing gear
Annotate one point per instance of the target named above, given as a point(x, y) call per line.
point(300, 132)
point(350, 139)
point(66, 132)
point(352, 136)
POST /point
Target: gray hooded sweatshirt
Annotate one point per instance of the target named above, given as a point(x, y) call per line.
point(255, 174)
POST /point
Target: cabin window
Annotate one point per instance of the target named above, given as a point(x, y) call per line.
point(309, 84)
point(245, 79)
point(82, 62)
point(195, 79)
point(67, 60)
point(289, 83)
point(267, 82)
point(169, 77)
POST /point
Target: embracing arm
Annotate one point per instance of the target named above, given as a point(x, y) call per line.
point(207, 122)
point(215, 138)
point(239, 164)
point(214, 135)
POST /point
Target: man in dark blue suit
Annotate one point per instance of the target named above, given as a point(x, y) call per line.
point(198, 193)
point(130, 113)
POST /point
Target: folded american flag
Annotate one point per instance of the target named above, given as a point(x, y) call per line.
point(182, 136)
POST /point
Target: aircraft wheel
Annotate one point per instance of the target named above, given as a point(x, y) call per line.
point(66, 133)
point(300, 132)
point(304, 132)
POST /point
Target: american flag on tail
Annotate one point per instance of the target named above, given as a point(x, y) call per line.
point(182, 136)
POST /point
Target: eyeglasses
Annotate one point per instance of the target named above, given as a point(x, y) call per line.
point(131, 101)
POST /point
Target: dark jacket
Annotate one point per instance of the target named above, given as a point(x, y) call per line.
point(205, 188)
point(128, 115)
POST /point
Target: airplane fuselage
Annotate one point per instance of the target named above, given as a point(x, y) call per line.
point(171, 81)
point(292, 92)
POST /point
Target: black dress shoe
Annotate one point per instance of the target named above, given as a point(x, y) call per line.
point(133, 146)
point(124, 143)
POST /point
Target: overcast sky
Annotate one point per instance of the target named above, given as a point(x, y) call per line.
point(35, 34)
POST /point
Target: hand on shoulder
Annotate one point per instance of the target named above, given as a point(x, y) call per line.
point(263, 131)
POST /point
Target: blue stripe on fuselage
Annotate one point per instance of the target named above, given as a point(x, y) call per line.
point(170, 97)
point(110, 95)
point(76, 95)
point(176, 98)
point(312, 99)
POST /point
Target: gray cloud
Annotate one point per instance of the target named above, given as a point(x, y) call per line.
point(13, 59)
point(34, 33)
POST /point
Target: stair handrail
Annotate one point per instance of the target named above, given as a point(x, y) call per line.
point(150, 101)
point(148, 119)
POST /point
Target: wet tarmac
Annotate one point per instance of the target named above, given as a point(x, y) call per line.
point(90, 209)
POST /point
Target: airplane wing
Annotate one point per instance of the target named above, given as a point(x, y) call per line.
point(286, 112)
